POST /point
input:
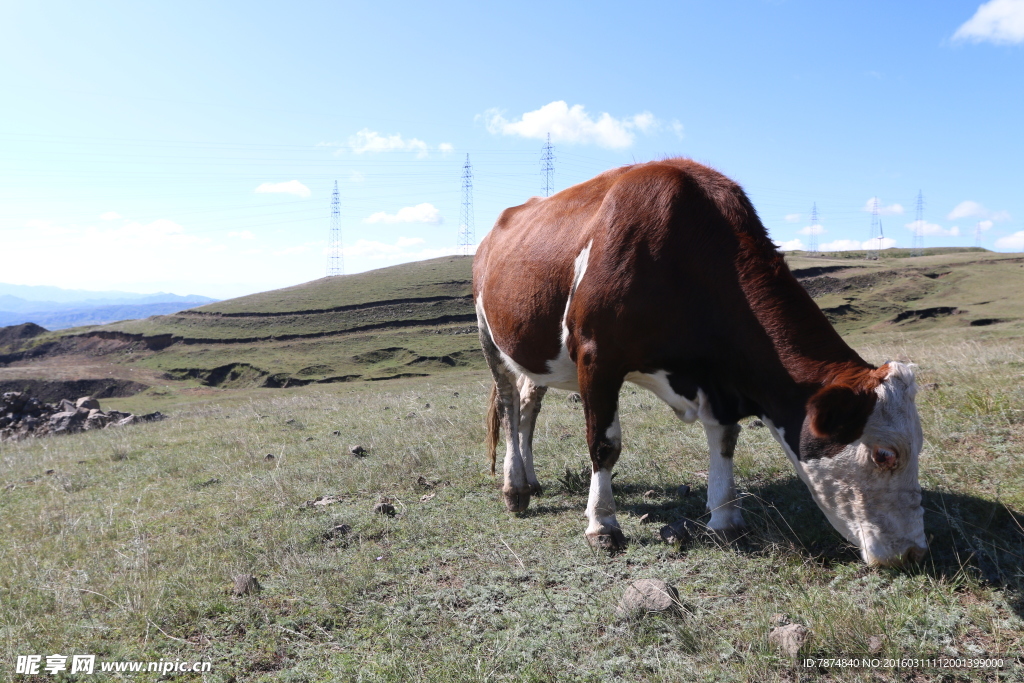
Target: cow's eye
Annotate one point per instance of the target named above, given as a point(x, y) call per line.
point(885, 458)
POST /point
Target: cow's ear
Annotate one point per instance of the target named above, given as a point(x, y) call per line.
point(839, 413)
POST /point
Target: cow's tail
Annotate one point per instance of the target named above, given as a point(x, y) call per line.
point(493, 426)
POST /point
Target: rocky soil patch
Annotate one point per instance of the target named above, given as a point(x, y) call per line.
point(23, 416)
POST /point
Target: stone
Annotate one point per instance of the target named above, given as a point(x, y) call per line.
point(87, 402)
point(384, 508)
point(66, 406)
point(648, 596)
point(755, 423)
point(358, 451)
point(339, 531)
point(268, 457)
point(683, 491)
point(650, 494)
point(68, 422)
point(778, 619)
point(573, 398)
point(152, 417)
point(246, 584)
point(681, 531)
point(790, 638)
point(96, 419)
point(875, 644)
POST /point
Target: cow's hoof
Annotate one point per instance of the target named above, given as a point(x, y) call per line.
point(517, 501)
point(612, 540)
point(536, 489)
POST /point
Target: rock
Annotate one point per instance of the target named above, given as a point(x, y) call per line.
point(87, 402)
point(778, 619)
point(426, 405)
point(339, 531)
point(875, 644)
point(152, 417)
point(426, 497)
point(322, 500)
point(268, 457)
point(384, 508)
point(683, 491)
point(755, 423)
point(96, 419)
point(336, 432)
point(790, 638)
point(455, 394)
point(68, 422)
point(49, 471)
point(650, 494)
point(410, 416)
point(681, 532)
point(124, 422)
point(66, 406)
point(573, 398)
point(648, 596)
point(246, 584)
point(358, 451)
point(116, 415)
point(309, 438)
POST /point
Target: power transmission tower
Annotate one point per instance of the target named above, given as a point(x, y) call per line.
point(876, 228)
point(466, 237)
point(918, 249)
point(547, 167)
point(335, 259)
point(812, 239)
point(977, 234)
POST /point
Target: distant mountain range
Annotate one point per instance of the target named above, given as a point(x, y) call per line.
point(55, 308)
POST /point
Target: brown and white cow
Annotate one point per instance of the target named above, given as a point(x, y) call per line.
point(661, 274)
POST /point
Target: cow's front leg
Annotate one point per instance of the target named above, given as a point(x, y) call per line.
point(531, 395)
point(726, 516)
point(604, 437)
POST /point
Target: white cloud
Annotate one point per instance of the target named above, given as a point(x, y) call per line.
point(854, 245)
point(357, 177)
point(969, 209)
point(790, 245)
point(891, 210)
point(291, 187)
point(242, 234)
point(996, 21)
point(110, 216)
point(1014, 242)
point(793, 217)
point(445, 148)
point(367, 140)
point(677, 128)
point(574, 125)
point(933, 229)
point(421, 213)
point(815, 229)
point(984, 225)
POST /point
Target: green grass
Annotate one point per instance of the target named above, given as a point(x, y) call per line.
point(127, 550)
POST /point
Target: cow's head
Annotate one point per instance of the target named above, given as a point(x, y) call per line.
point(859, 451)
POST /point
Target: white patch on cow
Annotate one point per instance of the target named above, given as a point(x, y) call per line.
point(561, 372)
point(722, 502)
point(877, 510)
point(657, 383)
point(601, 504)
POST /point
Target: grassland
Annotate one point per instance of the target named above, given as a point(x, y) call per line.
point(124, 543)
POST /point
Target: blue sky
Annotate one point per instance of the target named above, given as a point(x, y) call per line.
point(192, 147)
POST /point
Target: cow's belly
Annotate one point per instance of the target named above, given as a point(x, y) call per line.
point(657, 383)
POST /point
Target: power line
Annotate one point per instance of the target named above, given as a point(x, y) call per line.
point(812, 239)
point(876, 229)
point(466, 237)
point(335, 259)
point(547, 167)
point(918, 249)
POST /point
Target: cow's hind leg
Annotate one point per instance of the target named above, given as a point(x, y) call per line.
point(726, 516)
point(531, 395)
point(515, 488)
point(604, 437)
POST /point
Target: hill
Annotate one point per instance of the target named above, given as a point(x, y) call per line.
point(417, 319)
